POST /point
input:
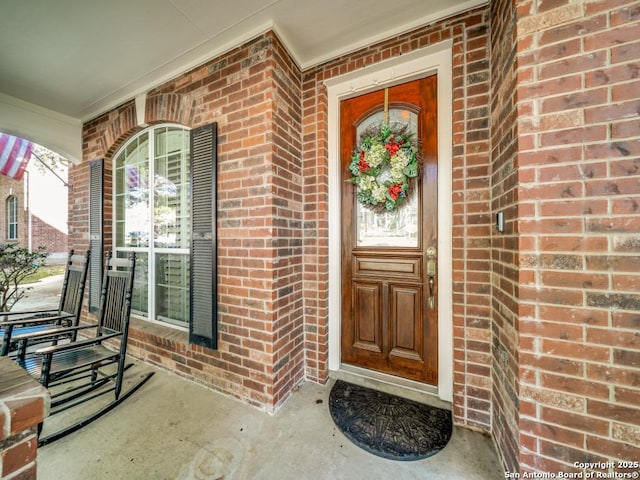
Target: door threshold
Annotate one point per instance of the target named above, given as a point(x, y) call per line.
point(402, 387)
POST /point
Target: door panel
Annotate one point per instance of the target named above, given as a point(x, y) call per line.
point(368, 316)
point(406, 338)
point(410, 268)
point(389, 311)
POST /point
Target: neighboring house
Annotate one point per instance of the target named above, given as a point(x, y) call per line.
point(34, 210)
point(515, 297)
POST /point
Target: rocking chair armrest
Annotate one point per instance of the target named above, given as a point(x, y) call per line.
point(51, 332)
point(74, 345)
point(35, 320)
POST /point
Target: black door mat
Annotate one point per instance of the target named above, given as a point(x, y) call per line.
point(389, 426)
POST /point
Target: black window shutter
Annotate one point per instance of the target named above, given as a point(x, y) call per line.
point(203, 325)
point(95, 232)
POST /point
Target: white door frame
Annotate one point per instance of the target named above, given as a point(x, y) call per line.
point(405, 68)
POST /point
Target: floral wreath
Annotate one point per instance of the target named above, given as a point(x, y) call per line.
point(383, 166)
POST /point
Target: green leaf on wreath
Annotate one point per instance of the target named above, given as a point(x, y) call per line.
point(411, 170)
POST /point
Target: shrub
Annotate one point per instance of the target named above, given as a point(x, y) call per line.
point(16, 264)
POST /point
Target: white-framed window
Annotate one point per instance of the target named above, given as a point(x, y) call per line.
point(12, 218)
point(152, 218)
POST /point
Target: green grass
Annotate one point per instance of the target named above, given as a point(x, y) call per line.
point(44, 272)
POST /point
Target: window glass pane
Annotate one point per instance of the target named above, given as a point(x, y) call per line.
point(12, 218)
point(172, 288)
point(161, 141)
point(171, 190)
point(140, 296)
point(132, 195)
point(382, 228)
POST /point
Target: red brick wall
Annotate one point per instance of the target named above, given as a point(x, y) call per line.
point(78, 204)
point(579, 188)
point(253, 93)
point(287, 213)
point(472, 222)
point(46, 235)
point(315, 174)
point(504, 246)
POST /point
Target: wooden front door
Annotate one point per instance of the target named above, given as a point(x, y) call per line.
point(389, 282)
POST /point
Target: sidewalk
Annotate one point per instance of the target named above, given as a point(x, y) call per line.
point(41, 295)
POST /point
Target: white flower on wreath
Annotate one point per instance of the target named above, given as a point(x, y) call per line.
point(366, 182)
point(379, 193)
point(398, 163)
point(376, 155)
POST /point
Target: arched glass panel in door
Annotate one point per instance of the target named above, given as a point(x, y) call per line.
point(375, 228)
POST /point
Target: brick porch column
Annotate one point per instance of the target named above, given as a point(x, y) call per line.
point(24, 403)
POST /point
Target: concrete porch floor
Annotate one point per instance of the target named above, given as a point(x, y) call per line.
point(173, 428)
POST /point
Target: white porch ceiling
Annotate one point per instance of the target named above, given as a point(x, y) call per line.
point(80, 58)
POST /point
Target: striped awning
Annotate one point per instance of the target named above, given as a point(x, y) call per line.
point(15, 153)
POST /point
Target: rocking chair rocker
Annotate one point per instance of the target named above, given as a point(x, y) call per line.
point(75, 372)
point(31, 324)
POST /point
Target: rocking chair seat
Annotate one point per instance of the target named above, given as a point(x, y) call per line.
point(71, 360)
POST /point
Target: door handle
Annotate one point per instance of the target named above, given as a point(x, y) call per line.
point(431, 273)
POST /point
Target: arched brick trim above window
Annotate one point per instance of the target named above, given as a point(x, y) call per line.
point(104, 135)
point(121, 122)
point(170, 107)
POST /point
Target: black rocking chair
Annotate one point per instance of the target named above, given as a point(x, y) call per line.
point(31, 324)
point(75, 372)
